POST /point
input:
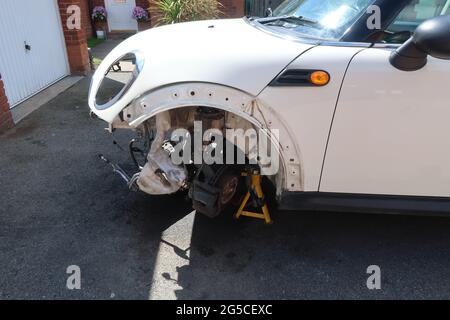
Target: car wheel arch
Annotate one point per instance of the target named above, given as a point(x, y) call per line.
point(234, 101)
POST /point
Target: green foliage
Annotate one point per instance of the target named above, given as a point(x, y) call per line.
point(174, 11)
point(92, 42)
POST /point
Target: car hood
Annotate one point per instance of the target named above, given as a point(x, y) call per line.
point(227, 52)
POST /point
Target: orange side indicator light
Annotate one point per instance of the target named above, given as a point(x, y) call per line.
point(320, 78)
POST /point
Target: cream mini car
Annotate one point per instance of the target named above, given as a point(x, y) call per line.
point(353, 97)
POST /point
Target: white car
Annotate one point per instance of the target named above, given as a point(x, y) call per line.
point(352, 95)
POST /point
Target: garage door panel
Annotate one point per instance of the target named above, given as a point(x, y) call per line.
point(37, 23)
point(11, 52)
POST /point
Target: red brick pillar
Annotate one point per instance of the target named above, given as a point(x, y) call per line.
point(76, 42)
point(96, 3)
point(86, 20)
point(6, 120)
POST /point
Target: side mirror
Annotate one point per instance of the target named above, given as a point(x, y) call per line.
point(432, 38)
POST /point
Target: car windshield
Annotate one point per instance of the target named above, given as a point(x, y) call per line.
point(323, 19)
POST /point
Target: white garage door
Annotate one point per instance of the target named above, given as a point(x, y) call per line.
point(32, 49)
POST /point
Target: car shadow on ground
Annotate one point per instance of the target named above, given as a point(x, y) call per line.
point(302, 256)
point(316, 256)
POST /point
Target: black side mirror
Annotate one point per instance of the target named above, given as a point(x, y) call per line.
point(432, 38)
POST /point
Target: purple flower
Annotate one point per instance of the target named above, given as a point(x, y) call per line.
point(99, 14)
point(140, 14)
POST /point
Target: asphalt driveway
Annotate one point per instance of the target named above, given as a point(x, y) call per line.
point(61, 206)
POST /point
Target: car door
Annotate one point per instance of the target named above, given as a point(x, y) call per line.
point(391, 131)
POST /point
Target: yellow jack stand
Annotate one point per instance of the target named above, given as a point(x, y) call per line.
point(257, 194)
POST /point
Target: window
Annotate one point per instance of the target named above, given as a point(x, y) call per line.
point(412, 15)
point(329, 19)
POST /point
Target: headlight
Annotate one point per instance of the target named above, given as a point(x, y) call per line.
point(118, 79)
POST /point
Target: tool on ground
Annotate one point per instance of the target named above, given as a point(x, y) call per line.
point(130, 181)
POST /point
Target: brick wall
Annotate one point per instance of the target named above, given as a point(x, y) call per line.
point(98, 3)
point(76, 50)
point(144, 4)
point(76, 42)
point(86, 19)
point(233, 8)
point(6, 121)
point(140, 3)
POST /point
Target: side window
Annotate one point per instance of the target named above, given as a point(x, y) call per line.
point(412, 15)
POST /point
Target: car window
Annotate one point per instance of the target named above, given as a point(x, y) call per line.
point(332, 17)
point(412, 15)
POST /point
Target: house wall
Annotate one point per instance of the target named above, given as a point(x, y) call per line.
point(76, 42)
point(144, 4)
point(98, 3)
point(231, 9)
point(77, 52)
point(140, 3)
point(86, 19)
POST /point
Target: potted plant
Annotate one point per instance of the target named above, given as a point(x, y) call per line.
point(99, 17)
point(141, 16)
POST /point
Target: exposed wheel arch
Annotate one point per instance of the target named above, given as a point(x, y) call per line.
point(241, 104)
